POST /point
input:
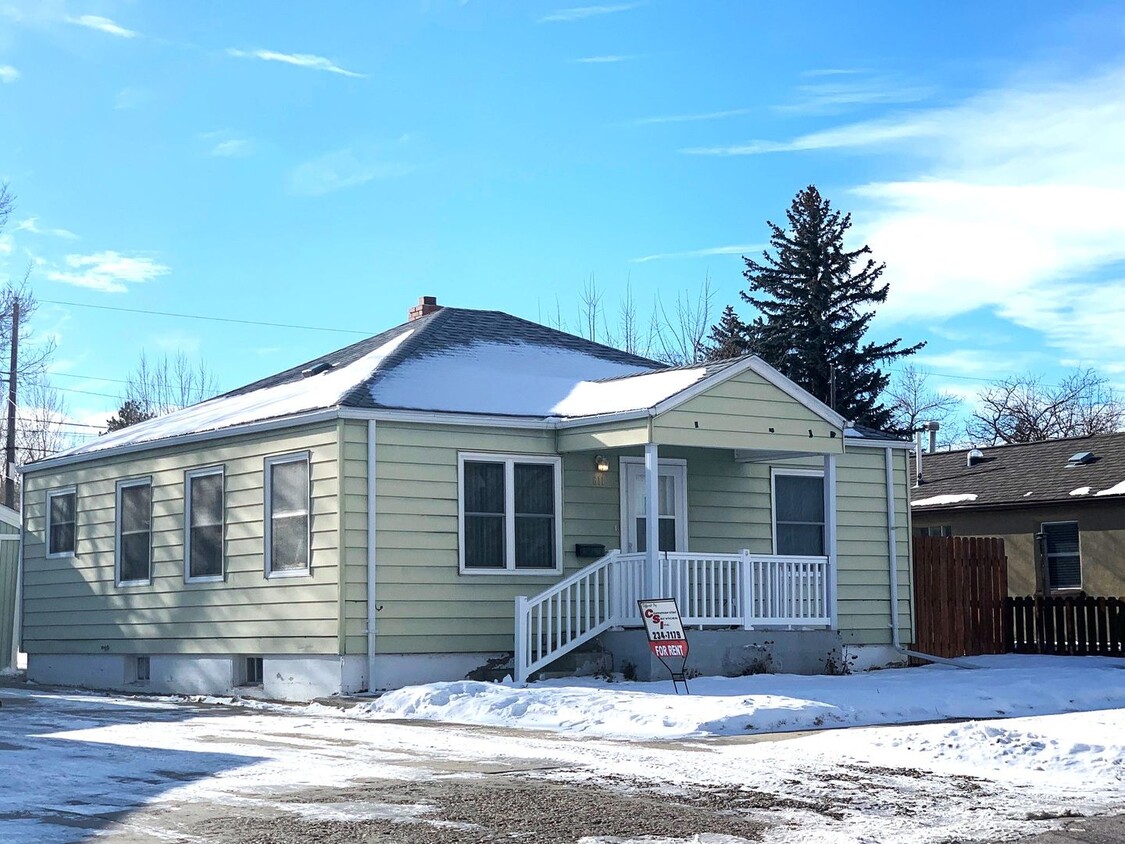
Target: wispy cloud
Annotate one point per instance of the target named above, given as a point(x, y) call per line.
point(689, 118)
point(109, 272)
point(131, 97)
point(578, 13)
point(8, 73)
point(737, 249)
point(304, 60)
point(31, 226)
point(856, 135)
point(833, 71)
point(225, 143)
point(612, 59)
point(850, 93)
point(344, 168)
point(109, 27)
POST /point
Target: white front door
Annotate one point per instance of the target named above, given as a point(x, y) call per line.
point(673, 505)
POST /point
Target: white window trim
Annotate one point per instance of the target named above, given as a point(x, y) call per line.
point(677, 467)
point(121, 485)
point(267, 526)
point(807, 473)
point(1081, 574)
point(54, 493)
point(189, 475)
point(509, 461)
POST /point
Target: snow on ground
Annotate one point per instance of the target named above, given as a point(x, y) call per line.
point(1003, 686)
point(85, 756)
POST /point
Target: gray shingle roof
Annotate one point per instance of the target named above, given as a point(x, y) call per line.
point(1030, 473)
point(442, 333)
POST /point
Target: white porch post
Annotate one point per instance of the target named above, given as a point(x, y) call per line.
point(830, 531)
point(652, 521)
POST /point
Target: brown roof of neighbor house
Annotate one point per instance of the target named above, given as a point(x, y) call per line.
point(1026, 473)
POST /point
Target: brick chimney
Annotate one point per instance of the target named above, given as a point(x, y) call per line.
point(426, 305)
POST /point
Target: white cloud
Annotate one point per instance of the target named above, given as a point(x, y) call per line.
point(31, 226)
point(738, 249)
point(578, 13)
point(304, 60)
point(8, 73)
point(232, 148)
point(6, 245)
point(343, 168)
point(611, 59)
point(1009, 201)
point(848, 92)
point(690, 118)
point(131, 97)
point(103, 25)
point(109, 272)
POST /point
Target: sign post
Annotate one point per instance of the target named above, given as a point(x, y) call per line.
point(666, 637)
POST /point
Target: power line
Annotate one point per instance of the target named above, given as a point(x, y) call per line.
point(207, 318)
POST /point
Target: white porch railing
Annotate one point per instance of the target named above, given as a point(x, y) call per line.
point(716, 590)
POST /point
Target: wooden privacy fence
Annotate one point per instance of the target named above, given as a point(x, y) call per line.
point(1077, 625)
point(960, 586)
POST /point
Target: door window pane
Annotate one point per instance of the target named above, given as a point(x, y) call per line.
point(666, 538)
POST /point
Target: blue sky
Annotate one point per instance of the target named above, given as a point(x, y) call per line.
point(326, 164)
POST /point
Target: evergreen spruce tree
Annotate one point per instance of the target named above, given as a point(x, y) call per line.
point(728, 338)
point(814, 301)
point(130, 413)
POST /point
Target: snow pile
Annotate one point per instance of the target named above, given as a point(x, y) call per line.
point(1117, 489)
point(944, 499)
point(1005, 686)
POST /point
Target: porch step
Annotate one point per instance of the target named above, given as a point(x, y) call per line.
point(589, 658)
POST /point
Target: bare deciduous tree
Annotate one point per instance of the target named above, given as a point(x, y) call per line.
point(162, 385)
point(912, 402)
point(7, 203)
point(681, 332)
point(1023, 409)
point(41, 428)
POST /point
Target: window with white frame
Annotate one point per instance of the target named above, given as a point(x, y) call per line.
point(203, 524)
point(134, 531)
point(1064, 560)
point(510, 513)
point(62, 521)
point(287, 515)
point(798, 512)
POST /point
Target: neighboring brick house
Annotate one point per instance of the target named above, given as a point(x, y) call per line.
point(1072, 491)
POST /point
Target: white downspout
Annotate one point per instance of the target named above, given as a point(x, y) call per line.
point(892, 548)
point(372, 607)
point(17, 623)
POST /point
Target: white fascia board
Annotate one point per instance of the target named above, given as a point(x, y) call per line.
point(437, 417)
point(280, 423)
point(9, 516)
point(600, 418)
point(865, 443)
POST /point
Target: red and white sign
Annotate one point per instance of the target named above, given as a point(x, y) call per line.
point(665, 631)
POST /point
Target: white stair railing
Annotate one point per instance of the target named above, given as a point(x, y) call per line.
point(722, 590)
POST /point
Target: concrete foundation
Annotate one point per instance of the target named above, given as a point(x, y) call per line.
point(873, 657)
point(393, 671)
point(291, 678)
point(732, 653)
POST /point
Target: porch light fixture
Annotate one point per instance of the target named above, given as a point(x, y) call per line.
point(601, 463)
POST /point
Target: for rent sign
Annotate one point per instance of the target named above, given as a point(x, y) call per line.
point(666, 637)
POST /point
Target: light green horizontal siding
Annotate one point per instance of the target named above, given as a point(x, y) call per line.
point(72, 605)
point(747, 412)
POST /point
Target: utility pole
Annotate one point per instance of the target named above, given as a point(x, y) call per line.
point(10, 452)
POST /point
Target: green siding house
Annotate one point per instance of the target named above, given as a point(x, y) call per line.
point(465, 490)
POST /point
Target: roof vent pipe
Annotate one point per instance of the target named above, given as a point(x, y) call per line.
point(932, 428)
point(974, 457)
point(917, 459)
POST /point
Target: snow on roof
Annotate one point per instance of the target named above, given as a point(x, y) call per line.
point(1116, 489)
point(519, 379)
point(315, 392)
point(1082, 490)
point(944, 499)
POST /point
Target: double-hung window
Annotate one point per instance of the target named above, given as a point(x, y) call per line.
point(798, 512)
point(134, 531)
point(62, 520)
point(203, 524)
point(510, 513)
point(287, 515)
point(1064, 560)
